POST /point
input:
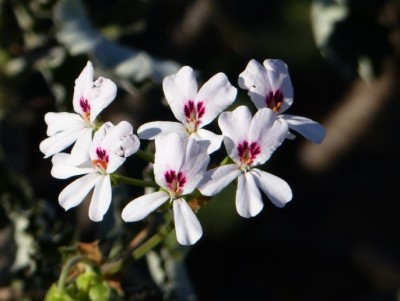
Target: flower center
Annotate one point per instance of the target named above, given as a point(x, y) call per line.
point(194, 113)
point(175, 182)
point(84, 103)
point(247, 153)
point(102, 159)
point(274, 100)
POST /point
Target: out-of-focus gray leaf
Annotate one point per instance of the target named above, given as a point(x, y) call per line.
point(76, 32)
point(349, 36)
point(324, 15)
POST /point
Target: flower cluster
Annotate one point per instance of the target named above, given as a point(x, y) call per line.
point(183, 148)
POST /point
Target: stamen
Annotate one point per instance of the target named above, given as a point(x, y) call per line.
point(274, 100)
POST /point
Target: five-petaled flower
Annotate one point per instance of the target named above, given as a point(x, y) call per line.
point(270, 87)
point(109, 149)
point(249, 142)
point(89, 99)
point(179, 165)
point(193, 109)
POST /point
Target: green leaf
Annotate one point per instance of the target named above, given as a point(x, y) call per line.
point(100, 291)
point(56, 294)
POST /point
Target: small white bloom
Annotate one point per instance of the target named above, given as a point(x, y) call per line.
point(270, 87)
point(109, 149)
point(179, 165)
point(89, 99)
point(249, 142)
point(193, 109)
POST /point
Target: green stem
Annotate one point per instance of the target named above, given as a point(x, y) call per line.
point(227, 160)
point(132, 181)
point(152, 242)
point(65, 270)
point(145, 156)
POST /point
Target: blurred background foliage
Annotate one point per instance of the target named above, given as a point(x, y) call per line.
point(337, 239)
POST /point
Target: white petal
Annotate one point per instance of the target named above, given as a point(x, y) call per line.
point(268, 130)
point(119, 142)
point(84, 80)
point(216, 94)
point(99, 137)
point(216, 179)
point(99, 95)
point(248, 198)
point(208, 139)
point(260, 80)
point(80, 151)
point(187, 226)
point(58, 122)
point(195, 165)
point(254, 78)
point(129, 145)
point(109, 138)
point(115, 133)
point(59, 141)
point(74, 193)
point(178, 89)
point(151, 130)
point(170, 155)
point(142, 206)
point(279, 79)
point(310, 129)
point(277, 190)
point(63, 169)
point(101, 199)
point(235, 127)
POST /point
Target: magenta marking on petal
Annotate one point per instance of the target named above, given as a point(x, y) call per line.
point(84, 103)
point(193, 114)
point(274, 100)
point(248, 152)
point(102, 158)
point(200, 109)
point(175, 182)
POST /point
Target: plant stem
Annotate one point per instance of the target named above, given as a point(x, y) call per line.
point(145, 156)
point(134, 182)
point(143, 249)
point(225, 161)
point(65, 270)
point(153, 241)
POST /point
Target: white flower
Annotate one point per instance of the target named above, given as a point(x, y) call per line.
point(109, 149)
point(179, 165)
point(249, 142)
point(89, 99)
point(270, 87)
point(193, 109)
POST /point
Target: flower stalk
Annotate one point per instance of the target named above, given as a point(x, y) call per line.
point(145, 156)
point(132, 181)
point(65, 270)
point(142, 250)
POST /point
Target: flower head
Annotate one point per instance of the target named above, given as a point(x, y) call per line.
point(249, 142)
point(179, 165)
point(89, 99)
point(110, 147)
point(194, 109)
point(269, 86)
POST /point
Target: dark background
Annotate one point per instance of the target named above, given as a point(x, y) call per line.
point(336, 240)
